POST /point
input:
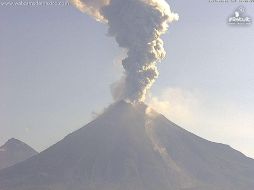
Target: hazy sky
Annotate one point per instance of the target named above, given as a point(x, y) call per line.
point(56, 66)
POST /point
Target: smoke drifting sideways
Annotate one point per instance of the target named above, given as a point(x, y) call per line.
point(137, 26)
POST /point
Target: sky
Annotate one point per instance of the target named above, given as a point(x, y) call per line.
point(57, 65)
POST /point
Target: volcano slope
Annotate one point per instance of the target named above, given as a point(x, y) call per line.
point(131, 147)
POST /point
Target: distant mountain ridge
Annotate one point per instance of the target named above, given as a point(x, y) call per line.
point(131, 147)
point(13, 152)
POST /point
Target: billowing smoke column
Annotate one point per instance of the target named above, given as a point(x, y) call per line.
point(137, 26)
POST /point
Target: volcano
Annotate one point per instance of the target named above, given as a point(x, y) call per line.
point(13, 152)
point(131, 147)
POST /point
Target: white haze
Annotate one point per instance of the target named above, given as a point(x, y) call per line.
point(217, 121)
point(137, 26)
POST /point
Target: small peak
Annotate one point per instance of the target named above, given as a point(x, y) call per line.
point(13, 143)
point(13, 140)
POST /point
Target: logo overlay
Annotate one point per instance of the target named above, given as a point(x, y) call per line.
point(239, 17)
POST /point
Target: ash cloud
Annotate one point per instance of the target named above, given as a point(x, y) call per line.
point(91, 7)
point(137, 26)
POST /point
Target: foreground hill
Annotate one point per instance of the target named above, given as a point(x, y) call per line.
point(13, 152)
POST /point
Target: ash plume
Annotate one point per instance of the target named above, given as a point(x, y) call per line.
point(137, 26)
